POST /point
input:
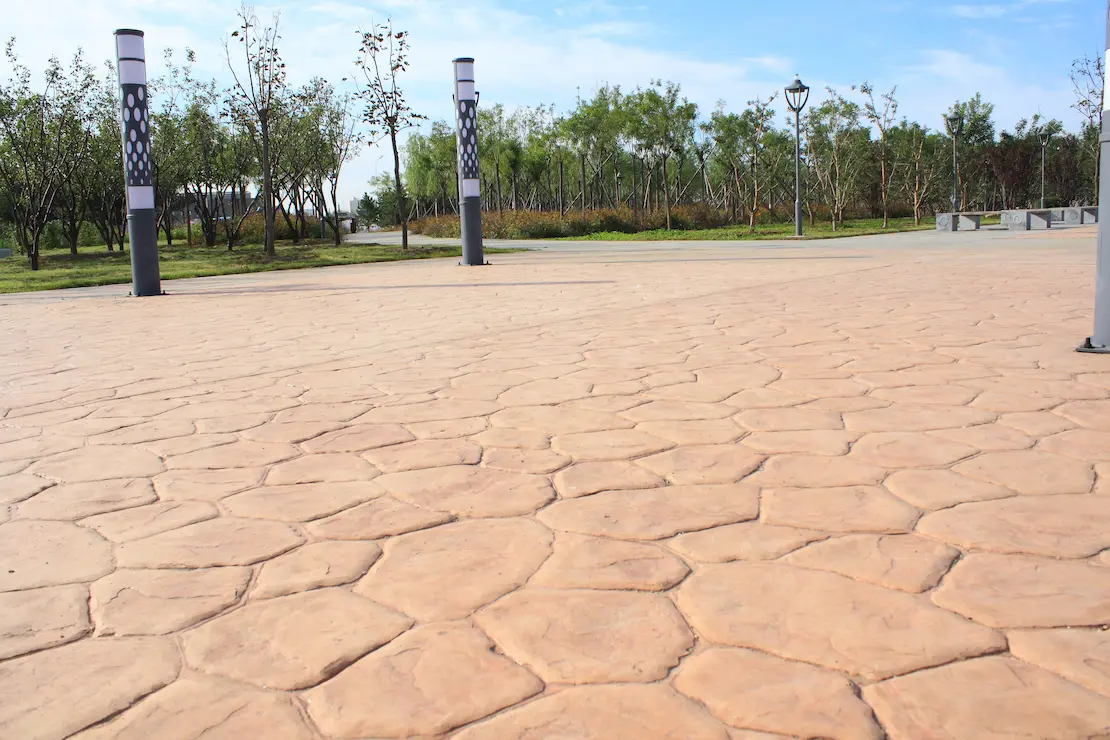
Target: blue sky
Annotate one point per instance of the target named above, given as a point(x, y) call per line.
point(1016, 52)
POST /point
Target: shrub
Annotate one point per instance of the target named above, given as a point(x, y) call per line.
point(550, 224)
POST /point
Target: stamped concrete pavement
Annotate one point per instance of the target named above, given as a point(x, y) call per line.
point(847, 489)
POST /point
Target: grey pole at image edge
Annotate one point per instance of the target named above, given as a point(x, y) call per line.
point(466, 138)
point(142, 227)
point(1099, 341)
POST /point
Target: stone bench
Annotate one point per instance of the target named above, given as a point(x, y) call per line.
point(1081, 215)
point(1027, 219)
point(958, 221)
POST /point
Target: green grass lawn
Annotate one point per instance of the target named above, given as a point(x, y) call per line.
point(860, 227)
point(97, 266)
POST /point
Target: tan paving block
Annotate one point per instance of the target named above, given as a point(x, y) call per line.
point(1030, 472)
point(101, 462)
point(532, 462)
point(1026, 591)
point(302, 502)
point(847, 509)
point(215, 542)
point(593, 562)
point(149, 431)
point(910, 418)
point(993, 696)
point(654, 514)
point(987, 437)
point(315, 565)
point(698, 432)
point(36, 448)
point(41, 618)
point(677, 411)
point(45, 553)
point(1037, 423)
point(381, 517)
point(543, 392)
point(424, 454)
point(289, 432)
point(292, 642)
point(466, 490)
point(21, 486)
point(357, 438)
point(433, 410)
point(704, 464)
point(744, 541)
point(145, 521)
point(812, 471)
point(522, 439)
point(324, 468)
point(70, 501)
point(158, 602)
point(1088, 414)
point(819, 442)
point(205, 485)
point(450, 571)
point(448, 429)
point(429, 681)
point(939, 489)
point(558, 420)
point(46, 695)
point(1080, 655)
point(582, 479)
point(587, 635)
point(895, 450)
point(761, 692)
point(234, 455)
point(195, 706)
point(904, 562)
point(1080, 444)
point(618, 444)
point(788, 420)
point(836, 622)
point(927, 395)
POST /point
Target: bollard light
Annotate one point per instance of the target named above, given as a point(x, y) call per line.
point(1100, 340)
point(137, 162)
point(797, 95)
point(466, 138)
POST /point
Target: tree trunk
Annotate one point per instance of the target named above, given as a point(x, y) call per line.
point(188, 221)
point(666, 195)
point(582, 159)
point(497, 179)
point(267, 187)
point(34, 250)
point(562, 192)
point(402, 211)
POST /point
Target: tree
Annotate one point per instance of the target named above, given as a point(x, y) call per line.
point(368, 211)
point(662, 124)
point(753, 127)
point(1088, 79)
point(339, 137)
point(883, 119)
point(833, 143)
point(383, 56)
point(924, 154)
point(43, 136)
point(259, 88)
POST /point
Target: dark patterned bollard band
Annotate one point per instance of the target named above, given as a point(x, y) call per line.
point(137, 162)
point(466, 139)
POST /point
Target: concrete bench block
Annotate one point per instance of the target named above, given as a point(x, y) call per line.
point(1057, 215)
point(946, 222)
point(1027, 220)
point(1073, 216)
point(968, 222)
point(1090, 215)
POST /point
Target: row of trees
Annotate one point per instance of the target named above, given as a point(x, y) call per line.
point(652, 148)
point(61, 158)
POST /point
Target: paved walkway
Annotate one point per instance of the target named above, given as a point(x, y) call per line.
point(854, 489)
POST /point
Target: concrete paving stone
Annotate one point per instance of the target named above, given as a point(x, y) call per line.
point(788, 420)
point(594, 562)
point(744, 541)
point(927, 395)
point(1080, 655)
point(912, 418)
point(904, 562)
point(987, 437)
point(321, 412)
point(467, 490)
point(1037, 423)
point(580, 636)
point(544, 391)
point(434, 410)
point(814, 471)
point(35, 554)
point(645, 712)
point(215, 542)
point(40, 618)
point(447, 429)
point(358, 438)
point(381, 517)
point(654, 514)
point(160, 602)
point(1031, 472)
point(582, 479)
point(816, 442)
point(531, 462)
point(899, 450)
point(197, 706)
point(100, 462)
point(21, 486)
point(834, 621)
point(71, 501)
point(46, 695)
point(521, 439)
point(1026, 591)
point(176, 446)
point(1080, 444)
point(757, 691)
point(842, 509)
point(302, 502)
point(618, 444)
point(145, 521)
point(150, 431)
point(1064, 526)
point(607, 404)
point(704, 464)
point(205, 485)
point(449, 571)
point(1087, 414)
point(555, 420)
point(678, 411)
point(995, 696)
point(234, 455)
point(429, 681)
point(324, 468)
point(424, 454)
point(289, 432)
point(292, 642)
point(940, 489)
point(698, 432)
point(315, 565)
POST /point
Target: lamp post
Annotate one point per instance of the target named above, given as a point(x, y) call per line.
point(1044, 135)
point(1100, 341)
point(797, 95)
point(954, 124)
point(466, 124)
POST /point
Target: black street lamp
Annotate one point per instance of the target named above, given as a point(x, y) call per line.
point(954, 123)
point(797, 95)
point(1044, 135)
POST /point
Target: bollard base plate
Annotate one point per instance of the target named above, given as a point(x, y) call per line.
point(1089, 348)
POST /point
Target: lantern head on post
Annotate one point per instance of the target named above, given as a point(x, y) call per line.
point(142, 227)
point(797, 95)
point(954, 123)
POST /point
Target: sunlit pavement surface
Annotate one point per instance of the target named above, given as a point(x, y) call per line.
point(845, 489)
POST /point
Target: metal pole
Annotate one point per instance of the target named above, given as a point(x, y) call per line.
point(955, 176)
point(466, 137)
point(1044, 148)
point(1100, 340)
point(798, 172)
point(141, 222)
